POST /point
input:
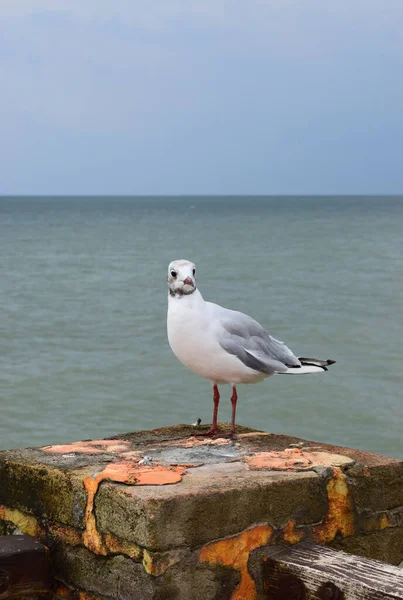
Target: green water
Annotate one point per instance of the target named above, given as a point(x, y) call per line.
point(83, 346)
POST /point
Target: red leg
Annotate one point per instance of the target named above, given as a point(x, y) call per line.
point(216, 400)
point(234, 399)
point(214, 427)
point(231, 433)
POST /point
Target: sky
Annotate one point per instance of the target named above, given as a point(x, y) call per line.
point(176, 97)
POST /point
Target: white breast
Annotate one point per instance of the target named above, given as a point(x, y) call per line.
point(193, 340)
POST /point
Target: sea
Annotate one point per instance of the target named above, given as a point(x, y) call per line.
point(83, 301)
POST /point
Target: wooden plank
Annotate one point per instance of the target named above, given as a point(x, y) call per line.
point(310, 572)
point(24, 567)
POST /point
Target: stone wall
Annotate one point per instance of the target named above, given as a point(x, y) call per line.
point(165, 515)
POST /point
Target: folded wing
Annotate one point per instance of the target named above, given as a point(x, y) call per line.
point(246, 339)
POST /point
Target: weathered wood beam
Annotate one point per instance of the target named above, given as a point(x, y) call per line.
point(310, 572)
point(24, 567)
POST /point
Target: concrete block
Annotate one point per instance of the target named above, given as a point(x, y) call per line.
point(162, 514)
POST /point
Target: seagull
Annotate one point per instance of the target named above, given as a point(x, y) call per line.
point(222, 345)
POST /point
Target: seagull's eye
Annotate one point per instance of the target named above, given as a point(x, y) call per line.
point(173, 274)
point(194, 271)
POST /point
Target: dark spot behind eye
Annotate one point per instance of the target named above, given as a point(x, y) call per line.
point(173, 273)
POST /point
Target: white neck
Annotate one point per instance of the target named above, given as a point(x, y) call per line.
point(185, 300)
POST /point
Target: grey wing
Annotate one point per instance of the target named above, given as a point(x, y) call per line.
point(247, 340)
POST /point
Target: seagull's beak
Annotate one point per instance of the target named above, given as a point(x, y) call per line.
point(188, 281)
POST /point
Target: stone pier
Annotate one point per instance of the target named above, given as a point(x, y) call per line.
point(161, 514)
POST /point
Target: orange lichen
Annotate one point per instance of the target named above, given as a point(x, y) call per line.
point(294, 459)
point(279, 461)
point(340, 516)
point(71, 448)
point(234, 552)
point(117, 546)
point(159, 475)
point(156, 563)
point(107, 443)
point(132, 455)
point(291, 535)
point(121, 472)
point(379, 522)
point(91, 447)
point(25, 523)
point(193, 442)
point(252, 434)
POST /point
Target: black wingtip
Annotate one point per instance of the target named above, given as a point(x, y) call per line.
point(316, 362)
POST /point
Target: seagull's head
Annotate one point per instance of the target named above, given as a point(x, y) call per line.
point(181, 278)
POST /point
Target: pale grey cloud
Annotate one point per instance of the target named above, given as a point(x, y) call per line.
point(134, 12)
point(227, 89)
point(67, 74)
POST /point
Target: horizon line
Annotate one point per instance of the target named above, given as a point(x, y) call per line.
point(160, 196)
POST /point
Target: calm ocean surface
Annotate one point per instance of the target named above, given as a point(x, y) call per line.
point(83, 346)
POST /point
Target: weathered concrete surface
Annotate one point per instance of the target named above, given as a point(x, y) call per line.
point(162, 514)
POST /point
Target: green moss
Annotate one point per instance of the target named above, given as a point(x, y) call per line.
point(43, 491)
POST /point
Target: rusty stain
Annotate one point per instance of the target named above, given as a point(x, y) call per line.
point(234, 552)
point(291, 535)
point(121, 472)
point(68, 535)
point(87, 596)
point(157, 563)
point(62, 591)
point(340, 515)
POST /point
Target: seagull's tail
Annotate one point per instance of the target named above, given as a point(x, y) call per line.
point(310, 365)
